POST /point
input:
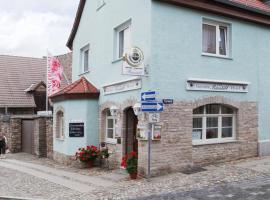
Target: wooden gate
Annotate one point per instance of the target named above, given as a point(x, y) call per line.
point(27, 136)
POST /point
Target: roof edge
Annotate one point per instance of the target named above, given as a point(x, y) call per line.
point(219, 7)
point(76, 24)
point(249, 8)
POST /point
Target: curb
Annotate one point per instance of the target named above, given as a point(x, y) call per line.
point(16, 198)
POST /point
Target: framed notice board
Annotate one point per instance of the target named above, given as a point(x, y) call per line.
point(76, 129)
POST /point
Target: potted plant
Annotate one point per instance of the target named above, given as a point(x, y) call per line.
point(87, 155)
point(130, 163)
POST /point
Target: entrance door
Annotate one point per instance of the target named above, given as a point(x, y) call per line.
point(27, 135)
point(131, 127)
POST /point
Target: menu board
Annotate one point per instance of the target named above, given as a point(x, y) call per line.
point(76, 129)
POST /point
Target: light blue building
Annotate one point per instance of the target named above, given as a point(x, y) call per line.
point(210, 57)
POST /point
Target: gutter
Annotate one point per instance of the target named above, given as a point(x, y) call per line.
point(242, 6)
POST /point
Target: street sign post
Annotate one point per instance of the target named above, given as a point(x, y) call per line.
point(152, 107)
point(148, 96)
point(150, 104)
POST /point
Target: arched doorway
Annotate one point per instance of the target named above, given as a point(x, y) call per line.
point(131, 142)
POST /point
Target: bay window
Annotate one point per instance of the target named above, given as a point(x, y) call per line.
point(213, 123)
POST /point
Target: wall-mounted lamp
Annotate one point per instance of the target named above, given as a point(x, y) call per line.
point(113, 110)
point(137, 109)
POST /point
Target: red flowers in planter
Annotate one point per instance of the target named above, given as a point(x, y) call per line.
point(130, 162)
point(87, 154)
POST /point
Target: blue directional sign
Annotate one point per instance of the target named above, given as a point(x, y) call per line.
point(152, 107)
point(148, 96)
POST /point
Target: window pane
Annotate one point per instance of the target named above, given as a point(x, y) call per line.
point(85, 58)
point(212, 109)
point(226, 132)
point(209, 39)
point(211, 133)
point(121, 44)
point(108, 113)
point(223, 40)
point(126, 39)
point(110, 123)
point(110, 133)
point(211, 122)
point(197, 122)
point(226, 110)
point(198, 110)
point(227, 121)
point(197, 134)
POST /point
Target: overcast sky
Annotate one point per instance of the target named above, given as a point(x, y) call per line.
point(30, 27)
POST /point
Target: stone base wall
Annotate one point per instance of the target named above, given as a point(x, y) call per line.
point(62, 158)
point(175, 152)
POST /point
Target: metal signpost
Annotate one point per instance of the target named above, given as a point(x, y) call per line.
point(150, 105)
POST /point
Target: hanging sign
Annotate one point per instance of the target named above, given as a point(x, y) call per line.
point(133, 62)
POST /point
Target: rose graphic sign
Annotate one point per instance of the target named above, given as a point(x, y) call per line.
point(54, 74)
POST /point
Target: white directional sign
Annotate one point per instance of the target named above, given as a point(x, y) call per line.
point(152, 107)
point(154, 118)
point(148, 96)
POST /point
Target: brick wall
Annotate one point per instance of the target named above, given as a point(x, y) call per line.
point(175, 152)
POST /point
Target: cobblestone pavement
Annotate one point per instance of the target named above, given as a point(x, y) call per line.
point(235, 180)
point(256, 189)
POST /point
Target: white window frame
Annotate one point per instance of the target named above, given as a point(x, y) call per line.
point(82, 52)
point(124, 26)
point(60, 126)
point(110, 140)
point(204, 117)
point(227, 39)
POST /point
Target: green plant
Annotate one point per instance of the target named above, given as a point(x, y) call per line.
point(104, 153)
point(130, 162)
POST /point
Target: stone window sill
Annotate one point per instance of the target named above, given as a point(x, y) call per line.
point(60, 139)
point(214, 142)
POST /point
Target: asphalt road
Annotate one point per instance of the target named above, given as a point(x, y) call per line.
point(256, 189)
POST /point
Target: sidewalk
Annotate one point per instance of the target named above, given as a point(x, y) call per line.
point(27, 176)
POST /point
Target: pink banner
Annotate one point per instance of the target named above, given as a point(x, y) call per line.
point(54, 74)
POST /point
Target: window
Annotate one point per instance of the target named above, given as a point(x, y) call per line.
point(110, 127)
point(123, 39)
point(85, 59)
point(213, 123)
point(215, 39)
point(59, 125)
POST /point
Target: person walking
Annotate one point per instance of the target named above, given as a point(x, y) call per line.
point(3, 143)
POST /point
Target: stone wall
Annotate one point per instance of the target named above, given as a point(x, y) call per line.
point(42, 138)
point(15, 140)
point(175, 152)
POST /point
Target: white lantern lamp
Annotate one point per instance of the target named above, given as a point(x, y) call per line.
point(113, 110)
point(137, 109)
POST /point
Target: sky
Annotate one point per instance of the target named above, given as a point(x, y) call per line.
point(33, 27)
